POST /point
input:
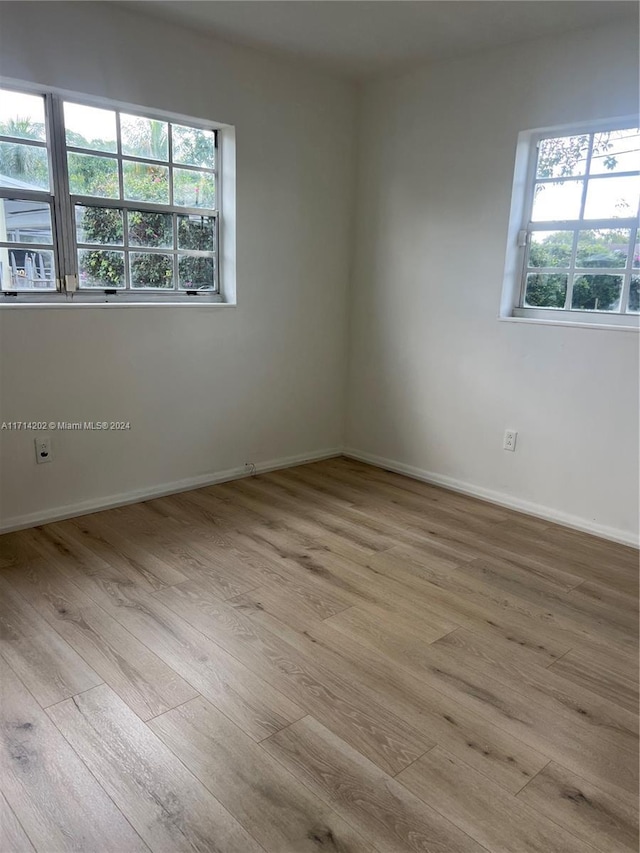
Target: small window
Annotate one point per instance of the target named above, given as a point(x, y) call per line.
point(574, 228)
point(98, 201)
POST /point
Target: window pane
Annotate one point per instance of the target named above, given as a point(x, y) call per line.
point(150, 229)
point(144, 137)
point(193, 189)
point(196, 232)
point(96, 176)
point(597, 292)
point(24, 166)
point(196, 272)
point(634, 295)
point(606, 247)
point(143, 182)
point(612, 198)
point(99, 225)
point(557, 201)
point(90, 127)
point(151, 270)
point(100, 268)
point(25, 221)
point(193, 147)
point(545, 290)
point(616, 151)
point(563, 156)
point(636, 252)
point(550, 248)
point(22, 268)
point(22, 115)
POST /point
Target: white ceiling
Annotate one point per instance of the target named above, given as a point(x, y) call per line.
point(371, 37)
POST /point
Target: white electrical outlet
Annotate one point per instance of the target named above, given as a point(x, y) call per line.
point(510, 438)
point(44, 452)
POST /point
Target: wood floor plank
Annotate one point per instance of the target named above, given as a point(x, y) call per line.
point(606, 819)
point(137, 675)
point(501, 823)
point(447, 596)
point(15, 549)
point(237, 690)
point(170, 809)
point(489, 748)
point(69, 549)
point(375, 804)
point(597, 673)
point(58, 802)
point(122, 553)
point(572, 607)
point(341, 704)
point(549, 688)
point(47, 664)
point(196, 555)
point(440, 505)
point(397, 634)
point(371, 477)
point(552, 629)
point(598, 745)
point(13, 838)
point(264, 797)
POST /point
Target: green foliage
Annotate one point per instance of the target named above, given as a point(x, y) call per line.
point(77, 140)
point(89, 175)
point(546, 290)
point(146, 182)
point(151, 270)
point(192, 146)
point(195, 272)
point(596, 292)
point(193, 189)
point(196, 233)
point(143, 137)
point(26, 163)
point(552, 251)
point(150, 229)
point(102, 268)
point(558, 157)
point(102, 225)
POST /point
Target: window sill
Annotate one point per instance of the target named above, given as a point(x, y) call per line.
point(59, 300)
point(577, 319)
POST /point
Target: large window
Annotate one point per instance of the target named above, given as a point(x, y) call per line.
point(577, 240)
point(99, 203)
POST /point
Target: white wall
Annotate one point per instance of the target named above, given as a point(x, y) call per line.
point(205, 389)
point(435, 377)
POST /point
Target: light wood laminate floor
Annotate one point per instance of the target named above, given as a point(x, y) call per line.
point(327, 658)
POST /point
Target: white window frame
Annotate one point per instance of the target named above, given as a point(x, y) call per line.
point(521, 226)
point(62, 203)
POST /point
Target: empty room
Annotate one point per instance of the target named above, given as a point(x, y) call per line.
point(319, 426)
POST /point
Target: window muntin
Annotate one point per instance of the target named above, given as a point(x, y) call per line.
point(581, 223)
point(124, 202)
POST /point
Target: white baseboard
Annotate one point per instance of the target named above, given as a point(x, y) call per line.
point(20, 522)
point(576, 522)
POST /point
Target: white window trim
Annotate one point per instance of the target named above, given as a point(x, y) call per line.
point(521, 203)
point(224, 296)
